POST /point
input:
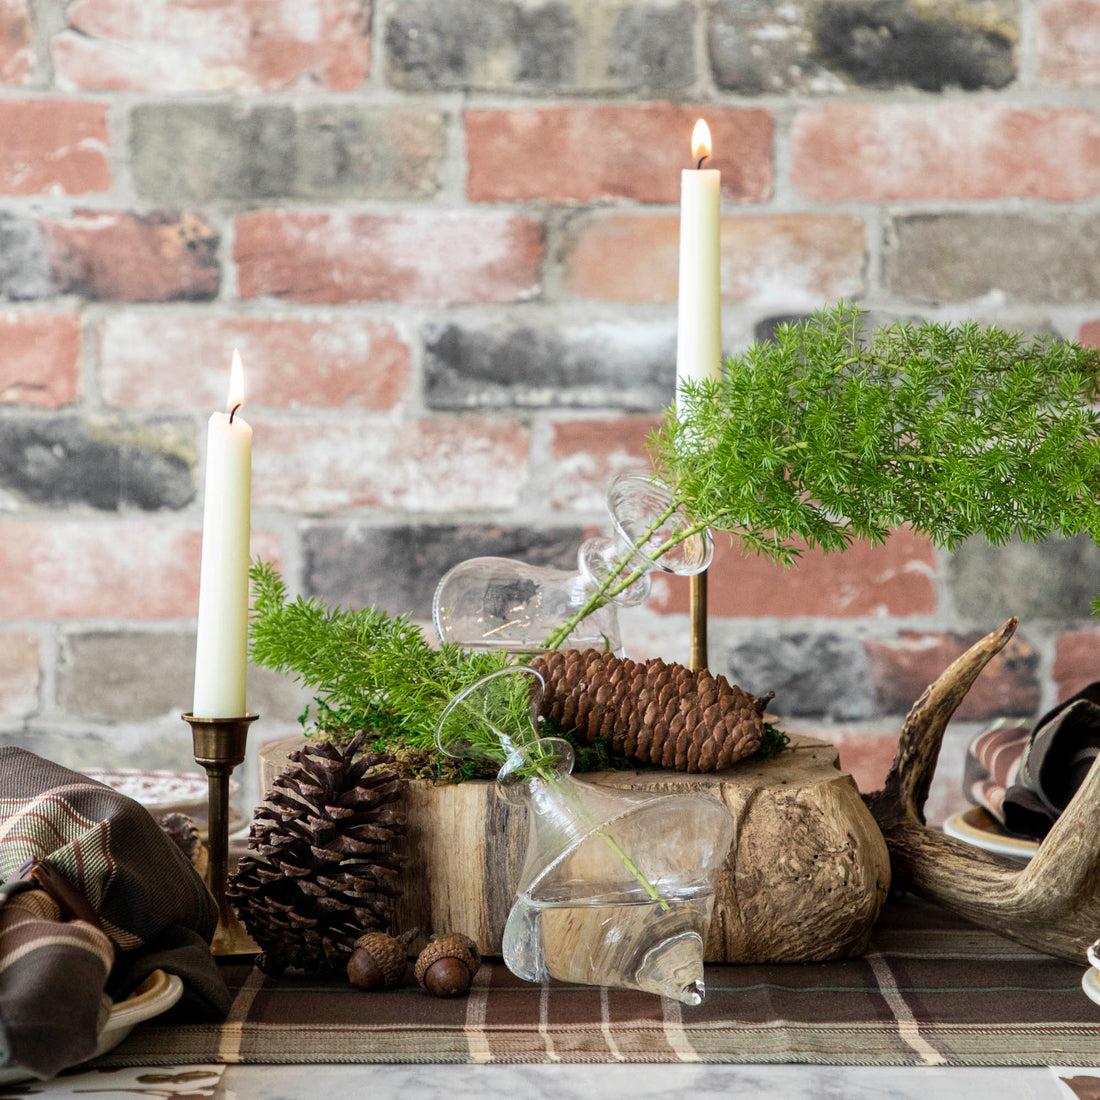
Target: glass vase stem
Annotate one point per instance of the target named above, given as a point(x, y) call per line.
point(608, 590)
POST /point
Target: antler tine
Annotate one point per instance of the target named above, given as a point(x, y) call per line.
point(910, 776)
point(1064, 874)
point(1053, 903)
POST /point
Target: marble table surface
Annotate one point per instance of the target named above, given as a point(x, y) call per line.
point(573, 1082)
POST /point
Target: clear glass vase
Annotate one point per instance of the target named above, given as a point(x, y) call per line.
point(617, 887)
point(500, 603)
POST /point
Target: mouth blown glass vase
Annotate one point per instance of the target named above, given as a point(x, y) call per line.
point(500, 603)
point(617, 887)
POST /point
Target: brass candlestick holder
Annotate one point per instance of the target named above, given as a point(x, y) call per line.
point(219, 747)
point(697, 606)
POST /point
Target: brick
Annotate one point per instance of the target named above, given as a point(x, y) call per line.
point(864, 580)
point(16, 42)
point(139, 569)
point(1089, 335)
point(119, 256)
point(129, 676)
point(903, 667)
point(24, 263)
point(118, 676)
point(83, 569)
point(103, 464)
point(627, 365)
point(397, 569)
point(199, 152)
point(865, 756)
point(813, 675)
point(586, 456)
point(109, 255)
point(767, 259)
point(41, 361)
point(422, 257)
point(1076, 661)
point(19, 675)
point(1030, 257)
point(220, 45)
point(592, 153)
point(759, 47)
point(1068, 37)
point(951, 151)
point(53, 146)
point(932, 46)
point(440, 464)
point(1051, 580)
point(540, 45)
point(320, 362)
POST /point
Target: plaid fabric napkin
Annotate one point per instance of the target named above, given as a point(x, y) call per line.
point(59, 977)
point(1026, 777)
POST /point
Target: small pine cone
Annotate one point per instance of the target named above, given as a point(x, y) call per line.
point(656, 713)
point(323, 863)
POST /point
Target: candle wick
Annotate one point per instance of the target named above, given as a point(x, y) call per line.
point(705, 156)
point(233, 411)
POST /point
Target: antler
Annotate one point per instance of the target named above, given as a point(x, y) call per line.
point(1053, 903)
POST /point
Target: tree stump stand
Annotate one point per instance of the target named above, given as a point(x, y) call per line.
point(805, 880)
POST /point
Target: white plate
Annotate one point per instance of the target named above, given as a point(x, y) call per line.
point(155, 995)
point(1090, 983)
point(977, 827)
point(154, 789)
point(164, 792)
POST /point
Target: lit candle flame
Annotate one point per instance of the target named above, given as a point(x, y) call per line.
point(236, 385)
point(700, 142)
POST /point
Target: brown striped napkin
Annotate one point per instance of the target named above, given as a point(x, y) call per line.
point(1025, 777)
point(58, 976)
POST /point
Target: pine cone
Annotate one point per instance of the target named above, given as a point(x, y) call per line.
point(324, 867)
point(655, 713)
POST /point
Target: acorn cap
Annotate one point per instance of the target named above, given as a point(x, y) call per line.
point(453, 945)
point(388, 953)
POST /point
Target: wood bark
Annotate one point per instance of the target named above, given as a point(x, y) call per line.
point(805, 881)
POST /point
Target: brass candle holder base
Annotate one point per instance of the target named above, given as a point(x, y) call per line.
point(219, 747)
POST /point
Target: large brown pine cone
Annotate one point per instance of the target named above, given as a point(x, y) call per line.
point(656, 713)
point(324, 863)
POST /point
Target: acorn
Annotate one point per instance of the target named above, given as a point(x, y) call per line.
point(447, 965)
point(377, 961)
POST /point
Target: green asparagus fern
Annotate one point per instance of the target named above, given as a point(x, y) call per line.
point(821, 437)
point(817, 438)
point(370, 670)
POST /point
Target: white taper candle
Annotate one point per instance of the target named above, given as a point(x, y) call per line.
point(221, 651)
point(699, 325)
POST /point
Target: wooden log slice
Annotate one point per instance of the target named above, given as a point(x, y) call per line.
point(805, 880)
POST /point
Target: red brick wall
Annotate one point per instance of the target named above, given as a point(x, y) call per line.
point(443, 234)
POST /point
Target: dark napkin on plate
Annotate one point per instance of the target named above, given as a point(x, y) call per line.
point(1026, 777)
point(58, 977)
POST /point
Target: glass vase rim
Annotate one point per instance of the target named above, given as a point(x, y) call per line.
point(456, 700)
point(651, 481)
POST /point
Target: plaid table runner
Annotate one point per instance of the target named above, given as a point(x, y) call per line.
point(932, 991)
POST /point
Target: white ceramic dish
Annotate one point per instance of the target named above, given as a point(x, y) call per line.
point(977, 827)
point(1090, 983)
point(155, 995)
point(162, 791)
